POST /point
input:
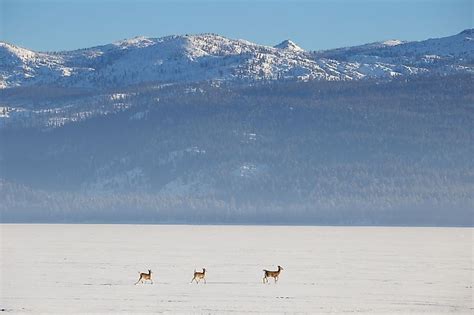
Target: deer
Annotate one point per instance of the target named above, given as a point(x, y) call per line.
point(198, 275)
point(271, 274)
point(144, 276)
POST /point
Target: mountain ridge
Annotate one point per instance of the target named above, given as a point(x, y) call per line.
point(211, 57)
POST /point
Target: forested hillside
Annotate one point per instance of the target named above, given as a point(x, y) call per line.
point(365, 152)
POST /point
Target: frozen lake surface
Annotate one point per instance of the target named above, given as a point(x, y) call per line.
point(92, 269)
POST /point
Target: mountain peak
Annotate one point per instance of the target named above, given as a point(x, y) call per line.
point(289, 45)
point(137, 42)
point(469, 31)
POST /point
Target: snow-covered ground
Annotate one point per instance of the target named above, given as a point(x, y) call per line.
point(92, 269)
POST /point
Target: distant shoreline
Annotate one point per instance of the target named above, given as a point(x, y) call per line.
point(238, 224)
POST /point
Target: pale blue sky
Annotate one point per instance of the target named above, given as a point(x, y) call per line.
point(69, 24)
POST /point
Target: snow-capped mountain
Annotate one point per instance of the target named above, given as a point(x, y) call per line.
point(441, 55)
point(288, 45)
point(195, 58)
point(140, 129)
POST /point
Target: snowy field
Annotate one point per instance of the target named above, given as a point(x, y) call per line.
point(93, 268)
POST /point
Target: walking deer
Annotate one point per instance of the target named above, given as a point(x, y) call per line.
point(272, 274)
point(199, 275)
point(144, 276)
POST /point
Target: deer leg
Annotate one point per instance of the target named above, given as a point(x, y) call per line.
point(205, 280)
point(192, 280)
